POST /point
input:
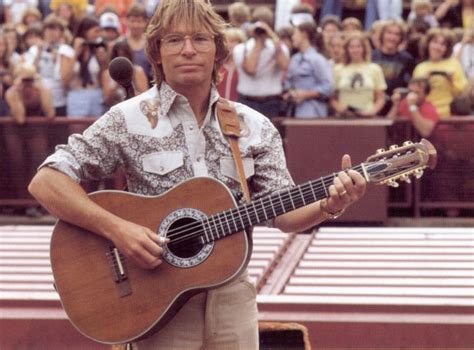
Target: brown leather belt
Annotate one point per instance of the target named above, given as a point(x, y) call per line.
point(260, 98)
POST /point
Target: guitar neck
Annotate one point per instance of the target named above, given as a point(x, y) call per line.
point(269, 207)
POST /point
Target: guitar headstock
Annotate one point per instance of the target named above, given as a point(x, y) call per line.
point(400, 162)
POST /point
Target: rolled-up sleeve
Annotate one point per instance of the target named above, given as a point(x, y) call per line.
point(93, 155)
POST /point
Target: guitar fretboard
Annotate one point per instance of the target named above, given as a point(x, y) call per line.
point(266, 208)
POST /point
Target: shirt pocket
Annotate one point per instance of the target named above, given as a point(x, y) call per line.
point(229, 170)
point(162, 163)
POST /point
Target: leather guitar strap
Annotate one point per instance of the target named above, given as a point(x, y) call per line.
point(230, 126)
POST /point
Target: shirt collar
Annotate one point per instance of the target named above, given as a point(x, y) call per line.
point(167, 97)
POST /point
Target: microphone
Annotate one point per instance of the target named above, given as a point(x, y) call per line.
point(121, 70)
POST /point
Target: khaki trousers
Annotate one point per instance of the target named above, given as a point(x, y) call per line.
point(223, 318)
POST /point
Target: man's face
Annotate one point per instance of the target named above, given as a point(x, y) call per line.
point(392, 37)
point(188, 67)
point(418, 89)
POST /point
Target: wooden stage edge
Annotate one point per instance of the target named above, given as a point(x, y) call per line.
point(363, 287)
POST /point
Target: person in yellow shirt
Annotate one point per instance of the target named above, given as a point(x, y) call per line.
point(445, 74)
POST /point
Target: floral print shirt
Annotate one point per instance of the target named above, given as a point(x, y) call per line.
point(156, 139)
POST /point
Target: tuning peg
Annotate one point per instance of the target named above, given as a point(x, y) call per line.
point(405, 178)
point(392, 147)
point(393, 183)
point(380, 150)
point(407, 143)
point(418, 173)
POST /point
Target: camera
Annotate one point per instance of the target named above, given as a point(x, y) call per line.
point(28, 80)
point(259, 30)
point(95, 44)
point(403, 91)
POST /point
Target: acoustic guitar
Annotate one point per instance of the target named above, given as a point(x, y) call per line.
point(111, 300)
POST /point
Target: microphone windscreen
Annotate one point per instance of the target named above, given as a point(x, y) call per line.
point(121, 70)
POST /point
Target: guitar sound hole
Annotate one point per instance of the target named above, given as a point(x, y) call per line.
point(185, 238)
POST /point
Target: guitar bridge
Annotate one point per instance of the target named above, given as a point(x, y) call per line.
point(119, 274)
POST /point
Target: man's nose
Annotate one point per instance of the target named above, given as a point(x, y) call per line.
point(188, 47)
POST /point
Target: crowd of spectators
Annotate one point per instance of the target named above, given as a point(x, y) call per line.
point(57, 53)
point(338, 69)
point(54, 57)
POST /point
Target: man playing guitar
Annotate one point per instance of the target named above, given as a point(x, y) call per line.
point(169, 134)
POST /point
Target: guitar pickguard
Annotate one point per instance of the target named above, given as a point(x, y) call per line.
point(183, 251)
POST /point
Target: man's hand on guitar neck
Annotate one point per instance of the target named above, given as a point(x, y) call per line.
point(348, 187)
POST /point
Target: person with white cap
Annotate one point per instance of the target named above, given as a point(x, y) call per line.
point(110, 27)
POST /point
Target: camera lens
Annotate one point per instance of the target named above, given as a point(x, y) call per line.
point(259, 31)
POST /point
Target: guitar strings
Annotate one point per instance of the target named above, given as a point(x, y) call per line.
point(285, 197)
point(225, 215)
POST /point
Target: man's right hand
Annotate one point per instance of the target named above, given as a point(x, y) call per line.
point(138, 243)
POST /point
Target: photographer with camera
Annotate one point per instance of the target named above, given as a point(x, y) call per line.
point(85, 98)
point(261, 62)
point(410, 103)
point(54, 60)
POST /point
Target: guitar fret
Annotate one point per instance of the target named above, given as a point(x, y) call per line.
point(235, 223)
point(264, 210)
point(248, 214)
point(324, 187)
point(273, 208)
point(302, 195)
point(312, 191)
point(220, 225)
point(282, 205)
point(241, 220)
point(205, 232)
point(255, 211)
point(291, 199)
point(227, 222)
point(210, 229)
point(217, 229)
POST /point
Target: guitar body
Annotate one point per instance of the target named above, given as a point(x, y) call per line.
point(114, 301)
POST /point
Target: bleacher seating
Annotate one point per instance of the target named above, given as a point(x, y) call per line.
point(351, 287)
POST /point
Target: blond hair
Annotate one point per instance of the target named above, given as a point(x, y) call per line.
point(362, 38)
point(196, 14)
point(421, 3)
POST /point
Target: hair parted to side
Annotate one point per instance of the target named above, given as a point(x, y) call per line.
point(364, 40)
point(198, 15)
point(445, 34)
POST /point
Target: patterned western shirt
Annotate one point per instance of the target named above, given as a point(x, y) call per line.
point(156, 139)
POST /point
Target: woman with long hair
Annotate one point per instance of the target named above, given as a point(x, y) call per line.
point(360, 83)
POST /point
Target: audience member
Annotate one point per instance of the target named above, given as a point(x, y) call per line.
point(85, 95)
point(31, 18)
point(54, 61)
point(336, 49)
point(374, 34)
point(6, 74)
point(28, 96)
point(397, 65)
point(114, 93)
point(330, 25)
point(360, 84)
point(352, 24)
point(450, 13)
point(416, 32)
point(120, 7)
point(422, 9)
point(14, 40)
point(445, 74)
point(14, 9)
point(230, 77)
point(410, 103)
point(261, 62)
point(110, 27)
point(382, 10)
point(285, 34)
point(31, 37)
point(239, 15)
point(464, 52)
point(69, 11)
point(309, 81)
point(136, 23)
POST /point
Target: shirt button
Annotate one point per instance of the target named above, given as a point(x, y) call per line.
point(191, 127)
point(162, 168)
point(199, 159)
